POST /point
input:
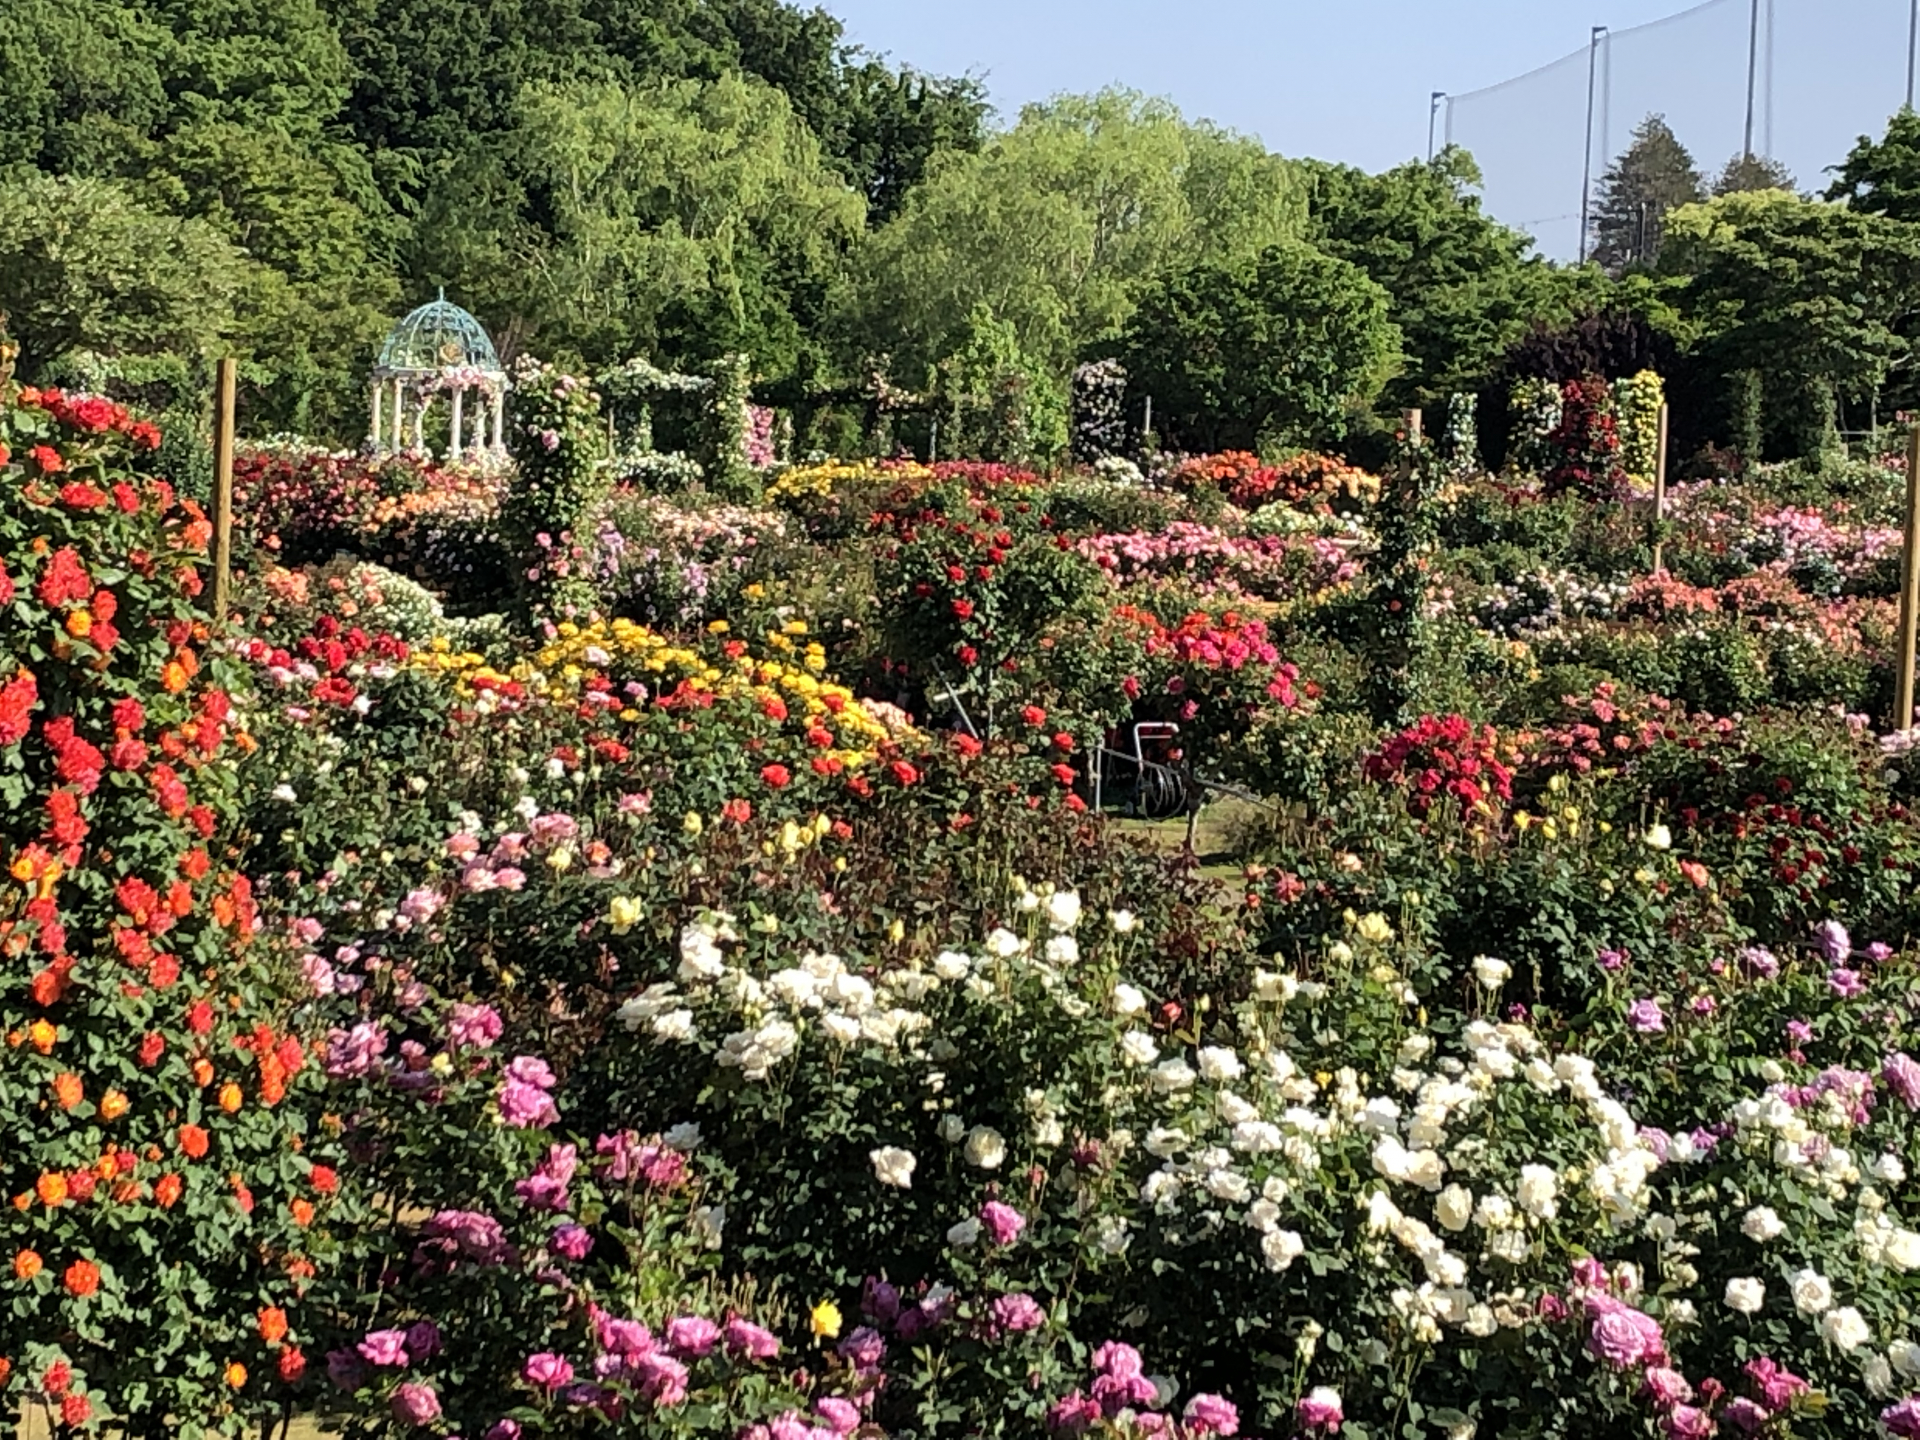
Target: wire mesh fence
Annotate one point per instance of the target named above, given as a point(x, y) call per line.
point(1797, 81)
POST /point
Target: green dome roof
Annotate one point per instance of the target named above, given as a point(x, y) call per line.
point(438, 336)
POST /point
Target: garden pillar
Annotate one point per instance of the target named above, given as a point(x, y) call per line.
point(459, 414)
point(376, 437)
point(500, 422)
point(399, 417)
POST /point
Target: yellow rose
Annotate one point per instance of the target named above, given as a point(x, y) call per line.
point(623, 914)
point(825, 1320)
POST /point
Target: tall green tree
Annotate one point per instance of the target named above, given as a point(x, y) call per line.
point(1811, 297)
point(682, 220)
point(1464, 287)
point(1653, 176)
point(1285, 348)
point(1882, 177)
point(1058, 225)
point(84, 266)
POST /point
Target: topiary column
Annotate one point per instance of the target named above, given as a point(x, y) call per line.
point(558, 443)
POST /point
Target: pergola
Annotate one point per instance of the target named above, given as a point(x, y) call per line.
point(439, 350)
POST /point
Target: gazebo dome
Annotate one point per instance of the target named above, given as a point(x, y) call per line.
point(436, 338)
point(439, 351)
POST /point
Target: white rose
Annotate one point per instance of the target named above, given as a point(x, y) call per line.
point(1111, 1235)
point(1906, 1359)
point(985, 1147)
point(1174, 1075)
point(1537, 1191)
point(1003, 944)
point(1274, 989)
point(1762, 1225)
point(952, 1129)
point(1218, 1064)
point(1454, 1208)
point(966, 1233)
point(951, 965)
point(1063, 950)
point(1165, 1143)
point(1122, 921)
point(1490, 972)
point(1494, 1212)
point(1746, 1295)
point(709, 1223)
point(1888, 1169)
point(893, 1166)
point(1282, 1248)
point(674, 1025)
point(1811, 1292)
point(1845, 1328)
point(1128, 1001)
point(1903, 1250)
point(1878, 1375)
point(1228, 1185)
point(1659, 838)
point(1137, 1048)
point(1063, 909)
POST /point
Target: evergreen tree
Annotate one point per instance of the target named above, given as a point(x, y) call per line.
point(1654, 175)
point(1744, 174)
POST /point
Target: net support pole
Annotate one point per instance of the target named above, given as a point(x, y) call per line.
point(1433, 116)
point(1909, 591)
point(1753, 73)
point(223, 418)
point(1913, 45)
point(1586, 179)
point(1660, 495)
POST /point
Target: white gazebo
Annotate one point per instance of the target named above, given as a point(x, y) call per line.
point(440, 350)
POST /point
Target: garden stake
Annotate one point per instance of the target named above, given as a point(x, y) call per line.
point(1909, 589)
point(1660, 497)
point(223, 491)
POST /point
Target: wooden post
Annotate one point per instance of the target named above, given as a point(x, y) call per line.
point(1413, 420)
point(1909, 590)
point(1660, 496)
point(223, 491)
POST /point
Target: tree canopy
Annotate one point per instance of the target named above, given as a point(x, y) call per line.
point(1653, 176)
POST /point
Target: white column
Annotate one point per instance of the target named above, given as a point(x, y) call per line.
point(421, 406)
point(453, 431)
point(399, 416)
point(499, 422)
point(377, 437)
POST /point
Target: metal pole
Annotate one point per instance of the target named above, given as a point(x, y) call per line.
point(1660, 495)
point(1913, 46)
point(1909, 591)
point(1433, 116)
point(223, 490)
point(1753, 71)
point(1586, 182)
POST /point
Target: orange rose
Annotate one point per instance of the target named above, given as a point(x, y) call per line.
point(82, 1278)
point(113, 1105)
point(203, 1072)
point(302, 1212)
point(42, 1034)
point(194, 1141)
point(80, 623)
point(236, 1375)
point(67, 1090)
point(273, 1324)
point(26, 1265)
point(52, 1188)
point(166, 1191)
point(230, 1098)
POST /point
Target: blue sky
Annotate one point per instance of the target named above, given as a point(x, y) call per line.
point(1349, 79)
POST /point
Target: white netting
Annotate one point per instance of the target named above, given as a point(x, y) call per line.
point(1825, 72)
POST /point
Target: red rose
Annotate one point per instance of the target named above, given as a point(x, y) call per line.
point(777, 776)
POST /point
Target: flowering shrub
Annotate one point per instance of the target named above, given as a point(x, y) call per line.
point(1444, 756)
point(166, 1181)
point(1269, 567)
point(556, 437)
point(1586, 444)
point(1303, 481)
